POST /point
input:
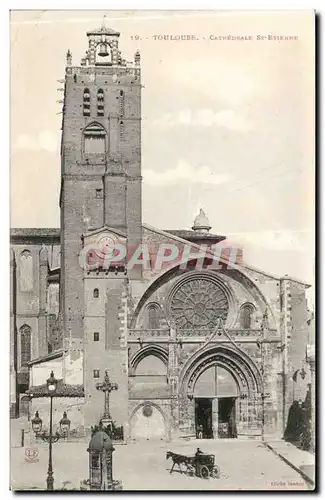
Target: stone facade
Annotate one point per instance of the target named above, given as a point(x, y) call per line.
point(188, 346)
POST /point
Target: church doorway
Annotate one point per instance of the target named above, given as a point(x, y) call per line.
point(227, 417)
point(215, 394)
point(203, 418)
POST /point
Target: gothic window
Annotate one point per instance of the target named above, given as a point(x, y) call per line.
point(100, 102)
point(94, 139)
point(86, 103)
point(153, 316)
point(26, 271)
point(198, 303)
point(25, 345)
point(121, 103)
point(96, 293)
point(151, 365)
point(246, 316)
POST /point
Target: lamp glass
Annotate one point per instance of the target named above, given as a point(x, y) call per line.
point(51, 383)
point(64, 427)
point(37, 427)
point(37, 423)
point(65, 423)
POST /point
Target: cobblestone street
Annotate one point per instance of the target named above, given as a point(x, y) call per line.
point(244, 465)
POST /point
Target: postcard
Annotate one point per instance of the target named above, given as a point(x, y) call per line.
point(162, 313)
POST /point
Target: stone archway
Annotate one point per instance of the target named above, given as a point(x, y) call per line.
point(148, 422)
point(247, 380)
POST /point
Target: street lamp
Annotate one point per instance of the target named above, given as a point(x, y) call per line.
point(65, 424)
point(48, 437)
point(37, 423)
point(51, 387)
point(51, 383)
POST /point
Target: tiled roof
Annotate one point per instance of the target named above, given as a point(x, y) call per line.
point(63, 390)
point(47, 357)
point(35, 231)
point(194, 235)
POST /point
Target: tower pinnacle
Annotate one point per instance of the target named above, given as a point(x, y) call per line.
point(201, 222)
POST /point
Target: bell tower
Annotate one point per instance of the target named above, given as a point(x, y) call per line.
point(100, 159)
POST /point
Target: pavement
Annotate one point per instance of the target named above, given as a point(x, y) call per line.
point(245, 465)
point(301, 461)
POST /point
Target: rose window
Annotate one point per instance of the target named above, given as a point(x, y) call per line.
point(198, 303)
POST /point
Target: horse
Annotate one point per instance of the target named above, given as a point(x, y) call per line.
point(180, 460)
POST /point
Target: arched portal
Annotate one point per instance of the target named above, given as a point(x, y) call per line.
point(222, 388)
point(147, 421)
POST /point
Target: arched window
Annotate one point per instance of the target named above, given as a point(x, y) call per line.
point(95, 139)
point(96, 293)
point(246, 316)
point(26, 271)
point(151, 365)
point(153, 312)
point(121, 103)
point(86, 103)
point(25, 345)
point(100, 102)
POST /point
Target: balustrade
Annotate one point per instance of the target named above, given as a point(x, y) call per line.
point(194, 332)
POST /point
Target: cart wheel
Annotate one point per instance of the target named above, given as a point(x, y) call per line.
point(215, 472)
point(204, 472)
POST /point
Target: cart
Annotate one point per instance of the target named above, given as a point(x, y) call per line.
point(200, 465)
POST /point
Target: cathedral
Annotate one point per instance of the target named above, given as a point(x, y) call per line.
point(189, 347)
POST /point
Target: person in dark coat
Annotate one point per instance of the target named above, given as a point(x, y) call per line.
point(197, 460)
point(295, 424)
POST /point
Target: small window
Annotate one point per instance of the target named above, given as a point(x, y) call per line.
point(121, 102)
point(100, 102)
point(96, 293)
point(25, 345)
point(99, 193)
point(96, 373)
point(96, 336)
point(86, 103)
point(153, 316)
point(246, 316)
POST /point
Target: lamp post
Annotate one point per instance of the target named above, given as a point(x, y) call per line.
point(49, 437)
point(51, 387)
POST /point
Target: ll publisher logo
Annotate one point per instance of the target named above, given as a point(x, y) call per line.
point(31, 455)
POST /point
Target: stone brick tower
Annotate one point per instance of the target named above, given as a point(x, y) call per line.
point(101, 160)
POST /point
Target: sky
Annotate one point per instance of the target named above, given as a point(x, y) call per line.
point(228, 125)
